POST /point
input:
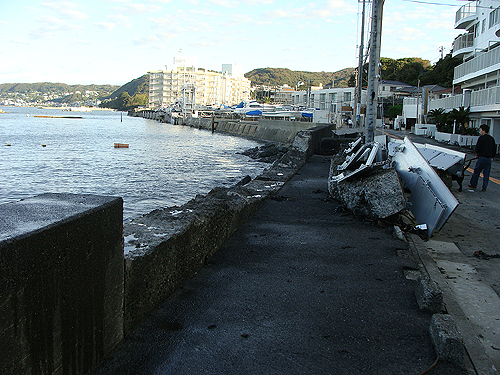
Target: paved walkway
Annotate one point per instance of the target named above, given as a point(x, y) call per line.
point(466, 255)
point(300, 288)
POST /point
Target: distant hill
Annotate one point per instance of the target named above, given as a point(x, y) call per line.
point(132, 94)
point(281, 76)
point(51, 87)
point(53, 93)
point(136, 86)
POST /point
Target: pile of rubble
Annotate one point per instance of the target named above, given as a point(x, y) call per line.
point(394, 181)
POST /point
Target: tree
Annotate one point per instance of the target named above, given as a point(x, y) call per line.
point(442, 72)
point(461, 117)
point(395, 111)
point(440, 118)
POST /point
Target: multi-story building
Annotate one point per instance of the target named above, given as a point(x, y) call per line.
point(337, 101)
point(332, 99)
point(191, 87)
point(479, 74)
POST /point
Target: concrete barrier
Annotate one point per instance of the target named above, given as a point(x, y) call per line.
point(167, 246)
point(263, 129)
point(61, 283)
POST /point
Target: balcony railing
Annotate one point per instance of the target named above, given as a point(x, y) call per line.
point(485, 97)
point(465, 11)
point(478, 98)
point(463, 41)
point(480, 62)
point(447, 103)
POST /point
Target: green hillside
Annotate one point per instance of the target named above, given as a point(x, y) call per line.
point(282, 76)
point(132, 94)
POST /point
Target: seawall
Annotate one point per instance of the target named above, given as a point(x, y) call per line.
point(167, 246)
point(61, 283)
point(74, 280)
point(282, 131)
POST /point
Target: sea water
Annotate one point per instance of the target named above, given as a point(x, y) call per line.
point(164, 165)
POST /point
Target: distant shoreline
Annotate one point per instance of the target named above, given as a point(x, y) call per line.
point(61, 108)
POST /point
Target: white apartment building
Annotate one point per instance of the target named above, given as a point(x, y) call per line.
point(338, 102)
point(193, 87)
point(479, 74)
point(335, 99)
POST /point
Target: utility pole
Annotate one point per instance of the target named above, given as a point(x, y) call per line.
point(359, 82)
point(373, 69)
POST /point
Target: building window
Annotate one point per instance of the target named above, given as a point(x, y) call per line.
point(495, 17)
point(483, 25)
point(347, 96)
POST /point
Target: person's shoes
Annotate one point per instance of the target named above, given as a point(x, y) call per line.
point(472, 187)
point(483, 190)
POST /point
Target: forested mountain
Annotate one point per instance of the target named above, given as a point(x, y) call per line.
point(282, 76)
point(133, 94)
point(412, 69)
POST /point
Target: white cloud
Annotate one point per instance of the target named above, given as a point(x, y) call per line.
point(105, 25)
point(66, 8)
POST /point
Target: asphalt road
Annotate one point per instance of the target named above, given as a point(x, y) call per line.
point(301, 288)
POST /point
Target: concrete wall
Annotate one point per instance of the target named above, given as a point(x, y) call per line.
point(264, 129)
point(269, 130)
point(167, 246)
point(61, 283)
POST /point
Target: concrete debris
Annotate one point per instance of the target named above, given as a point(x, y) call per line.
point(447, 340)
point(358, 179)
point(398, 233)
point(377, 196)
point(429, 296)
point(370, 181)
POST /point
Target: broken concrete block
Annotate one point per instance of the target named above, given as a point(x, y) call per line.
point(447, 340)
point(398, 234)
point(429, 296)
point(377, 196)
point(337, 160)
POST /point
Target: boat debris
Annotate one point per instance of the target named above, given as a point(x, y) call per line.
point(371, 180)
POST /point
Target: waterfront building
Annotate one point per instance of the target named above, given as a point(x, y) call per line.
point(479, 73)
point(190, 87)
point(338, 102)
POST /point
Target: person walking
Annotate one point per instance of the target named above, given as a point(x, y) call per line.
point(485, 151)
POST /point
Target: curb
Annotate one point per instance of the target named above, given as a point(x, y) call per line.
point(445, 338)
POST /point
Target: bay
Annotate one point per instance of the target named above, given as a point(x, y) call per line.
point(165, 164)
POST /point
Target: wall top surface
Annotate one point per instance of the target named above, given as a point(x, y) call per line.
point(28, 215)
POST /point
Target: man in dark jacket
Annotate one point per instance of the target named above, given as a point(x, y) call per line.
point(485, 151)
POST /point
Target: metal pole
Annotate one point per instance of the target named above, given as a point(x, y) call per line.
point(359, 82)
point(373, 69)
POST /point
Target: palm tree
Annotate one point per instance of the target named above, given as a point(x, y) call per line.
point(461, 116)
point(440, 117)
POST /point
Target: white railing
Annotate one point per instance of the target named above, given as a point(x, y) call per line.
point(466, 10)
point(451, 102)
point(485, 97)
point(483, 61)
point(463, 41)
point(478, 98)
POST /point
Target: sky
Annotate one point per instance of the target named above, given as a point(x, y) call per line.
point(116, 41)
